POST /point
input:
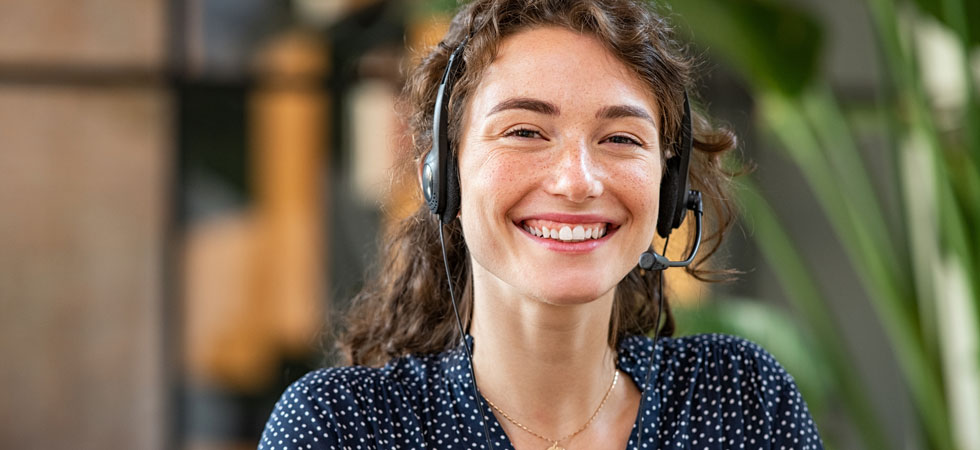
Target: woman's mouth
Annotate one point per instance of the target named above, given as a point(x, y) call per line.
point(565, 232)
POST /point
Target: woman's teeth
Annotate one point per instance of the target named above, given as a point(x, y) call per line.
point(567, 233)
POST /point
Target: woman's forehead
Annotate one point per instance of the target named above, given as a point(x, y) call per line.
point(561, 67)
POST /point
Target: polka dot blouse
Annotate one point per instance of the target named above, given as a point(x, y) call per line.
point(709, 392)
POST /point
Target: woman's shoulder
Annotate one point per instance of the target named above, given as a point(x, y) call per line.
point(401, 376)
point(351, 403)
point(335, 385)
point(728, 359)
point(720, 379)
point(737, 357)
point(679, 351)
point(711, 343)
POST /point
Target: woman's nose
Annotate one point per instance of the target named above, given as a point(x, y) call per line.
point(575, 174)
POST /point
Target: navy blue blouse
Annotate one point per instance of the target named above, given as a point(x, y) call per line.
point(710, 392)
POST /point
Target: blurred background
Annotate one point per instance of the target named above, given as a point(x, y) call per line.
point(192, 190)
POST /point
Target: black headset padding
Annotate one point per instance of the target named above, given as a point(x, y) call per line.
point(452, 192)
point(440, 177)
point(673, 188)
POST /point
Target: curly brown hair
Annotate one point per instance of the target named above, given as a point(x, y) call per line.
point(405, 308)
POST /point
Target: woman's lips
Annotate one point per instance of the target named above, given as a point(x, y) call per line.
point(567, 237)
point(565, 232)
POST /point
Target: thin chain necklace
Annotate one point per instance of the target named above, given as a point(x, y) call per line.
point(554, 442)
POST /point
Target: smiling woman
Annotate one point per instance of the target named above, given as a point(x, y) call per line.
point(564, 118)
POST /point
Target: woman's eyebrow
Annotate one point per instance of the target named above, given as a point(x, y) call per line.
point(618, 111)
point(526, 103)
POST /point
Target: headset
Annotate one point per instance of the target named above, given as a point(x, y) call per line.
point(440, 187)
point(440, 177)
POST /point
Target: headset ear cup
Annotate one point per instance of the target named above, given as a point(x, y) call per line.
point(668, 199)
point(673, 187)
point(430, 180)
point(452, 198)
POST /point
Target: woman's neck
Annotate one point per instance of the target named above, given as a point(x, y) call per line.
point(544, 365)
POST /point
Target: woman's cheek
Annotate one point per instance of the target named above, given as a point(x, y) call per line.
point(505, 175)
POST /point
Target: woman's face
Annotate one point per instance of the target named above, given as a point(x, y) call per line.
point(559, 168)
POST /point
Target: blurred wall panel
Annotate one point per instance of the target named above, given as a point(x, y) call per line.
point(83, 201)
point(254, 283)
point(373, 126)
point(117, 33)
point(289, 138)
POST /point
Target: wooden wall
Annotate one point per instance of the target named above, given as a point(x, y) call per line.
point(85, 138)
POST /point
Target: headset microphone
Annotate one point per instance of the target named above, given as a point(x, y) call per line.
point(651, 260)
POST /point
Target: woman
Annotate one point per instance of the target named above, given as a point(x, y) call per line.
point(563, 117)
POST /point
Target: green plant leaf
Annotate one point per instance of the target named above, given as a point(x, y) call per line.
point(957, 14)
point(805, 296)
point(773, 45)
point(434, 6)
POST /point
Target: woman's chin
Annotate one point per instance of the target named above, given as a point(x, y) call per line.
point(570, 295)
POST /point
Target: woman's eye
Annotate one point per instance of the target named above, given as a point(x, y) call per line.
point(619, 139)
point(523, 133)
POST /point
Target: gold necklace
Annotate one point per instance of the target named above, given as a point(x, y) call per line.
point(554, 442)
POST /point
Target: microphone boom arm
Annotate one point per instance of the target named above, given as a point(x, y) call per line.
point(651, 260)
